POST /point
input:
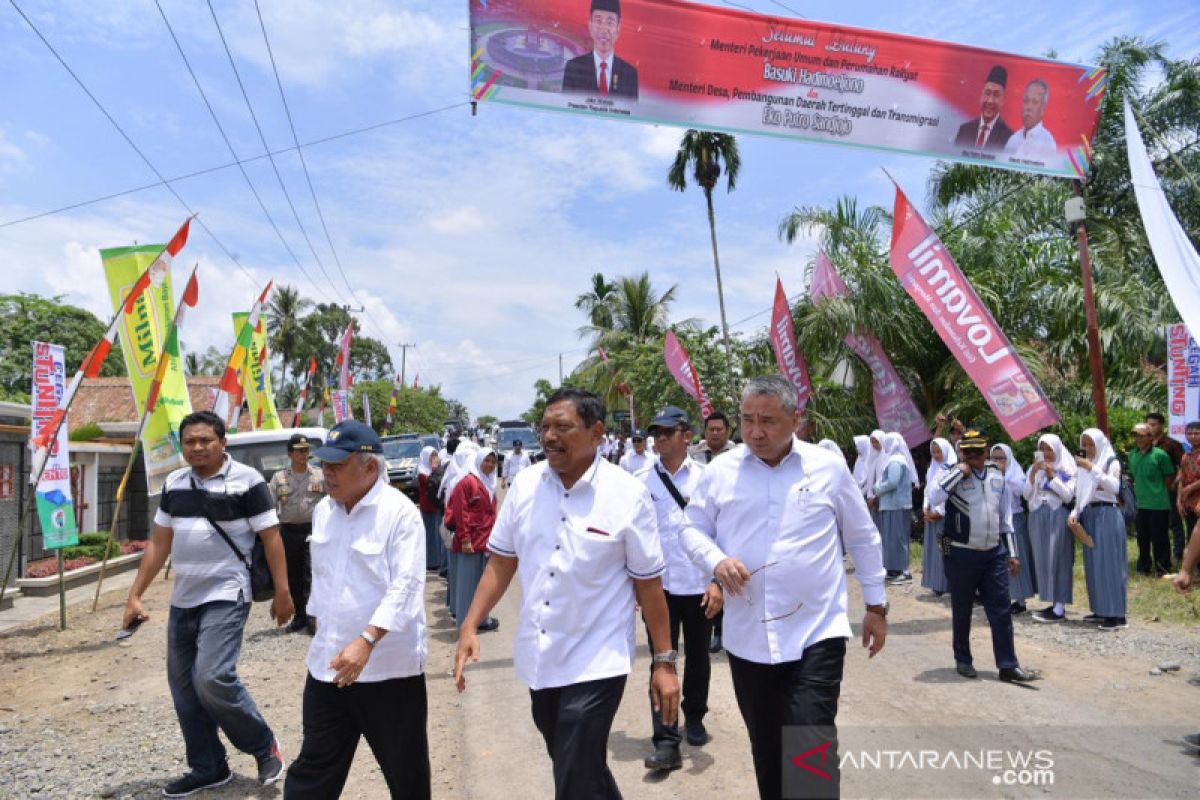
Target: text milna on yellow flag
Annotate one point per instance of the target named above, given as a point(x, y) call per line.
point(256, 378)
point(141, 332)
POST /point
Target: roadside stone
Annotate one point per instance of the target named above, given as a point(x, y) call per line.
point(1156, 671)
point(1169, 666)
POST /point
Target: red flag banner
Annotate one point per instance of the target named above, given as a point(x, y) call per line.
point(894, 406)
point(681, 63)
point(942, 292)
point(343, 358)
point(783, 341)
point(679, 363)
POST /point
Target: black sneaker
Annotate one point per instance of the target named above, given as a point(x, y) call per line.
point(489, 624)
point(1048, 615)
point(697, 734)
point(191, 783)
point(270, 768)
point(1093, 618)
point(1113, 624)
point(664, 758)
point(1192, 740)
point(297, 624)
point(1017, 607)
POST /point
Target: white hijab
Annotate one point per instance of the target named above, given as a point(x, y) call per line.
point(1064, 462)
point(897, 452)
point(1085, 486)
point(476, 469)
point(426, 466)
point(831, 446)
point(949, 459)
point(875, 461)
point(863, 445)
point(1013, 471)
point(459, 467)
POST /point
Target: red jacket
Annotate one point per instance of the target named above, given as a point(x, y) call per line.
point(471, 512)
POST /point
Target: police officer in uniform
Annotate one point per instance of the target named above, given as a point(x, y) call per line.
point(980, 553)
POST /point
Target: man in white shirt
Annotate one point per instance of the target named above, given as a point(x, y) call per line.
point(516, 460)
point(764, 520)
point(637, 459)
point(1033, 141)
point(366, 664)
point(693, 598)
point(582, 534)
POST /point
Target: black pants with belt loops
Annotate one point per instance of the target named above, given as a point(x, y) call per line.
point(574, 721)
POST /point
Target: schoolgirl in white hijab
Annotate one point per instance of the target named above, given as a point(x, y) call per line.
point(876, 461)
point(1024, 585)
point(1049, 488)
point(933, 568)
point(1106, 562)
point(863, 445)
point(894, 495)
point(425, 465)
point(487, 479)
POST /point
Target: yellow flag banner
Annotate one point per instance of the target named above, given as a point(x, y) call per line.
point(142, 331)
point(256, 378)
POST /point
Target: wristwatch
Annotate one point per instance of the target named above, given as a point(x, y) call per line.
point(665, 657)
point(368, 638)
point(881, 610)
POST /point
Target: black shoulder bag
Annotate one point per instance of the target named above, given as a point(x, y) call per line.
point(670, 484)
point(262, 585)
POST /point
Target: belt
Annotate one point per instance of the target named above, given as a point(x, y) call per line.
point(1114, 505)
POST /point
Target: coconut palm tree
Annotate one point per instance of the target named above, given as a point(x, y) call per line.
point(284, 312)
point(597, 304)
point(707, 154)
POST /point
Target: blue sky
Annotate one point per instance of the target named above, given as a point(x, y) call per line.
point(469, 236)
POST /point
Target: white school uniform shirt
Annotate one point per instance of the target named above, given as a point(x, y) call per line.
point(633, 463)
point(682, 576)
point(1053, 493)
point(1035, 143)
point(783, 521)
point(514, 463)
point(579, 551)
point(368, 568)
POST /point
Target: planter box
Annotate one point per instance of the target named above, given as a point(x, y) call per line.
point(48, 587)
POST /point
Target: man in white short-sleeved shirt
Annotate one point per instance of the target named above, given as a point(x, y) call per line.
point(211, 601)
point(764, 520)
point(581, 532)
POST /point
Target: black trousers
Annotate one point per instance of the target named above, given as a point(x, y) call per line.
point(391, 714)
point(790, 711)
point(1179, 534)
point(984, 572)
point(299, 564)
point(575, 721)
point(1154, 543)
point(687, 615)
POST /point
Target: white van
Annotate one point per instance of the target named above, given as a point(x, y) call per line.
point(266, 451)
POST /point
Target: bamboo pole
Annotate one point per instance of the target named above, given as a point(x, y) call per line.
point(112, 529)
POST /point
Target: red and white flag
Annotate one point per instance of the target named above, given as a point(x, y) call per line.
point(783, 341)
point(92, 364)
point(343, 358)
point(943, 293)
point(679, 363)
point(894, 406)
point(231, 382)
point(312, 369)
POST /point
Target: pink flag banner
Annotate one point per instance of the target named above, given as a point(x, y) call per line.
point(345, 379)
point(942, 292)
point(894, 406)
point(679, 363)
point(783, 341)
point(341, 406)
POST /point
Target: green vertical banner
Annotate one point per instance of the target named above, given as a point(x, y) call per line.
point(256, 378)
point(55, 508)
point(142, 332)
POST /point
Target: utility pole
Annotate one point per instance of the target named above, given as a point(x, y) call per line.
point(560, 378)
point(1075, 216)
point(403, 362)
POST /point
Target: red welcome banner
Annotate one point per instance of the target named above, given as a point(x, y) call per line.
point(783, 341)
point(942, 292)
point(894, 406)
point(681, 63)
point(679, 363)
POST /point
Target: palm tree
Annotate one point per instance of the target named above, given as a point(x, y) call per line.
point(284, 312)
point(706, 152)
point(597, 304)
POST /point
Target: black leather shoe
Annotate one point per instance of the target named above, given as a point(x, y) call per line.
point(696, 733)
point(966, 670)
point(715, 645)
point(665, 758)
point(1018, 675)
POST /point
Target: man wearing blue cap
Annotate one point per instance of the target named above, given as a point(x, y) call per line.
point(692, 598)
point(637, 459)
point(600, 72)
point(366, 664)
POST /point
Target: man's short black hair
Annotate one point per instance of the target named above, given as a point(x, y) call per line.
point(720, 415)
point(588, 406)
point(203, 418)
point(1194, 425)
point(1157, 417)
point(452, 444)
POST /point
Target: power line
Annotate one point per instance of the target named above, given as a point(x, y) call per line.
point(130, 141)
point(208, 170)
point(267, 148)
point(233, 152)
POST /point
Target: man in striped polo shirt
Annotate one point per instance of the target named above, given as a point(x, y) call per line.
point(211, 601)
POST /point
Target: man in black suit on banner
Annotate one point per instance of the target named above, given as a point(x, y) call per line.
point(600, 72)
point(988, 132)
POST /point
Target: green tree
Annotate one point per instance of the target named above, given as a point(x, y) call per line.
point(706, 153)
point(596, 304)
point(456, 411)
point(487, 420)
point(417, 410)
point(283, 314)
point(26, 318)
